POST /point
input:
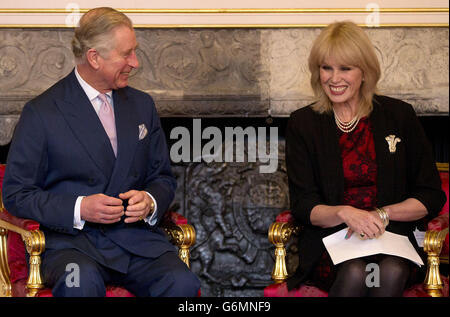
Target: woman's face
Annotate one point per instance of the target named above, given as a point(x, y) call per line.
point(340, 82)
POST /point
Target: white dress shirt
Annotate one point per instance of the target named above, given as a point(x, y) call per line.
point(92, 95)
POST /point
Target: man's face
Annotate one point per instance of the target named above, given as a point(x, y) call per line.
point(115, 68)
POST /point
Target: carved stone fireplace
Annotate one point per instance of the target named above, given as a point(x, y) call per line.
point(228, 78)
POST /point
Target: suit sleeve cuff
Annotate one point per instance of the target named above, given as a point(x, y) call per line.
point(151, 220)
point(77, 222)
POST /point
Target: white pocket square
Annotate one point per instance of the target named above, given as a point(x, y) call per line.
point(142, 131)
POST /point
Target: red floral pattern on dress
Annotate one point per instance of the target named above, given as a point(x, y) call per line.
point(359, 165)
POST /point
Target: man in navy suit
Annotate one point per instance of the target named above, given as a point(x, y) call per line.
point(98, 189)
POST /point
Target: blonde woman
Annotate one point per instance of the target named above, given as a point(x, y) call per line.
point(359, 160)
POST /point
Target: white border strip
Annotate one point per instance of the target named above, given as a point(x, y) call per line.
point(370, 16)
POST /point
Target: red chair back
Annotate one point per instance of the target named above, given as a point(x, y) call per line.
point(444, 179)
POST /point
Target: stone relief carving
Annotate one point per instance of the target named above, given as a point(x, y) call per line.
point(13, 71)
point(231, 206)
point(7, 124)
point(201, 72)
point(31, 61)
point(227, 72)
point(199, 62)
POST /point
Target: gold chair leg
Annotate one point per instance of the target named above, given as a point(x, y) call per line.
point(279, 272)
point(432, 245)
point(35, 244)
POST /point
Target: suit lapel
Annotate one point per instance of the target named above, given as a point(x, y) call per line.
point(86, 126)
point(127, 139)
point(333, 173)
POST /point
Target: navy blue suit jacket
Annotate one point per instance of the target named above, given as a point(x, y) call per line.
point(60, 151)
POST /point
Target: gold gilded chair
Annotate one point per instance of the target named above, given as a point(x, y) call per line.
point(18, 235)
point(436, 245)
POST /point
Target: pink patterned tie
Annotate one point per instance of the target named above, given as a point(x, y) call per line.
point(106, 115)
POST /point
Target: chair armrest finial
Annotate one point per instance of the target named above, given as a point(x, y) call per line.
point(279, 235)
point(183, 236)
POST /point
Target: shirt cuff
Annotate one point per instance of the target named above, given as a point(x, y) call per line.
point(151, 220)
point(77, 222)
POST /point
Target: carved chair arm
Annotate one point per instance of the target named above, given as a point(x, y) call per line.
point(183, 236)
point(432, 245)
point(180, 233)
point(35, 244)
point(279, 235)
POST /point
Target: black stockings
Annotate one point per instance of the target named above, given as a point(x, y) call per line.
point(360, 278)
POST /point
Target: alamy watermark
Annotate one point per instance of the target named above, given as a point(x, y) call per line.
point(73, 278)
point(74, 16)
point(373, 18)
point(373, 278)
point(230, 147)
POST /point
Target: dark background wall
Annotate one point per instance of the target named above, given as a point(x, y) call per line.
point(436, 128)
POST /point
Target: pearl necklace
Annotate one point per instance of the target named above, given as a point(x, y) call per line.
point(346, 127)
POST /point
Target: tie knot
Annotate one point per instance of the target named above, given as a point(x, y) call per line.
point(103, 97)
point(105, 106)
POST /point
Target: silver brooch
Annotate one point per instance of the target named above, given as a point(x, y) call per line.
point(392, 141)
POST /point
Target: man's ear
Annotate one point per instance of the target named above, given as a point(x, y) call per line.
point(92, 57)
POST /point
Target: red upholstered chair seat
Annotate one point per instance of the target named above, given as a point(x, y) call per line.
point(439, 223)
point(280, 290)
point(111, 291)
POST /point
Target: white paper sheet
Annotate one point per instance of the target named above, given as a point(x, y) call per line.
point(341, 250)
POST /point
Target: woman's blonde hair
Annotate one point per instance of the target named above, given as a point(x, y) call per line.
point(348, 44)
point(95, 31)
